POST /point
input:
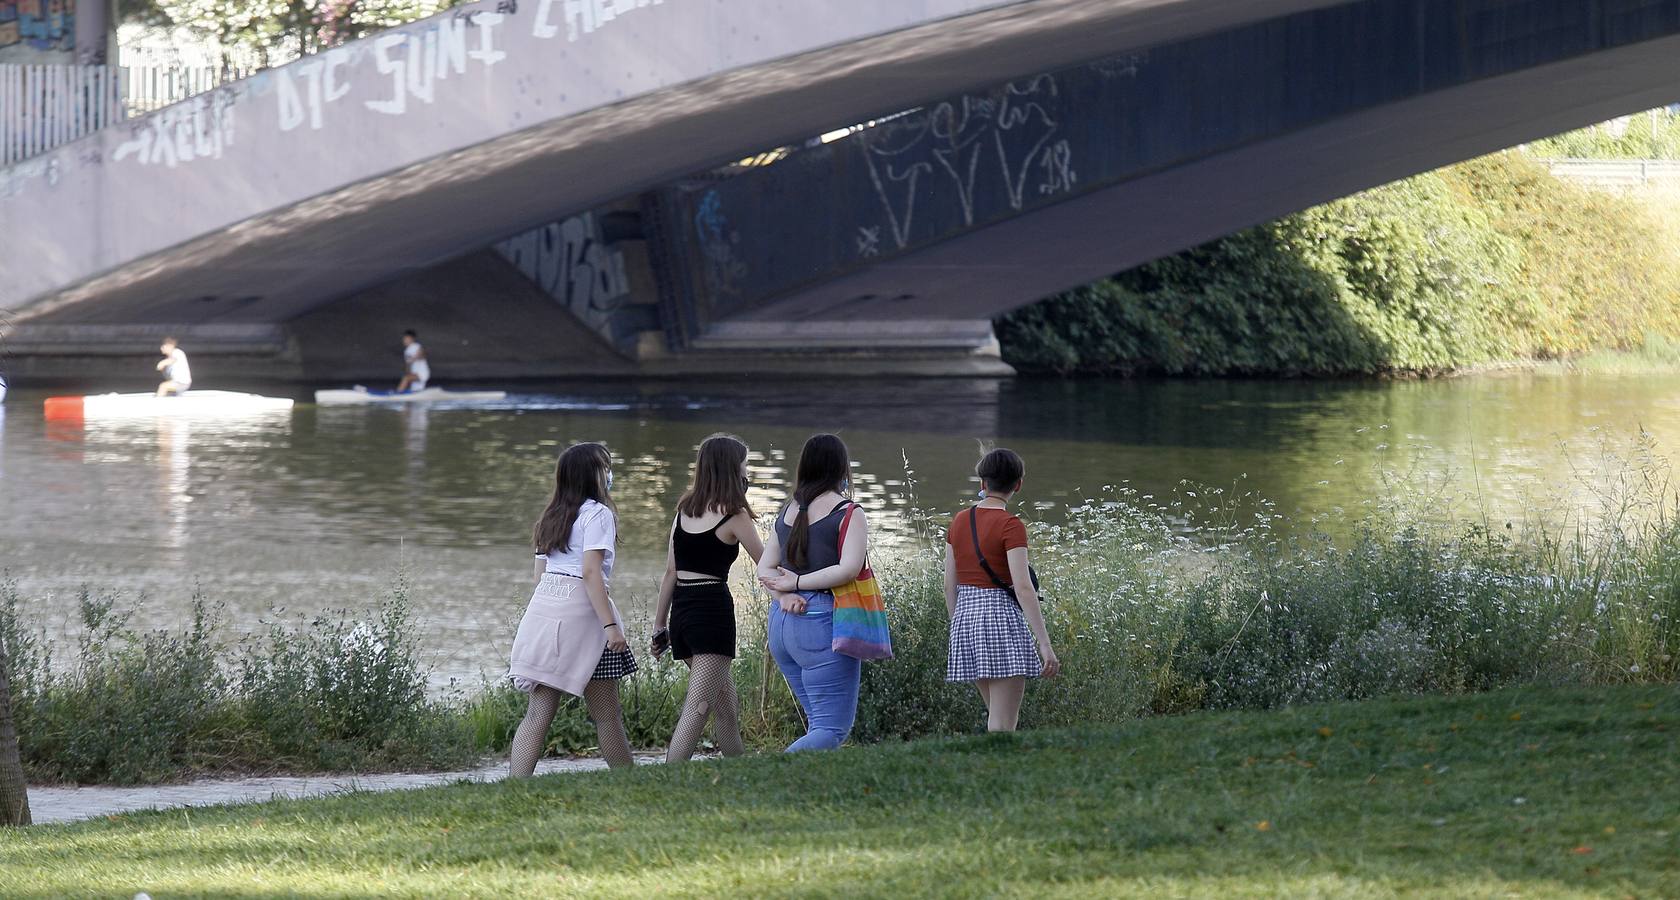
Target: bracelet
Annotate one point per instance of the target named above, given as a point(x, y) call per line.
point(609, 625)
point(796, 581)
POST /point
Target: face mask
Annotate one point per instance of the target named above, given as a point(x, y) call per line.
point(845, 485)
point(982, 494)
point(609, 481)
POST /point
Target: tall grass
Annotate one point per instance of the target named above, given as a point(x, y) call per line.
point(340, 692)
point(1156, 606)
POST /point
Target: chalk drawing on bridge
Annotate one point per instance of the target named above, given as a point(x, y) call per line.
point(1007, 134)
point(571, 263)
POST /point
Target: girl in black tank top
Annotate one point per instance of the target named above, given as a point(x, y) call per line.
point(695, 616)
point(702, 554)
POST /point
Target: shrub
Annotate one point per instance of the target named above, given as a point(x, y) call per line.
point(1490, 260)
point(336, 694)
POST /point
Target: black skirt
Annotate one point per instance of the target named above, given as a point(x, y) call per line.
point(702, 620)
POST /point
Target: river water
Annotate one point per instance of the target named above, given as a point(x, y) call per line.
point(323, 508)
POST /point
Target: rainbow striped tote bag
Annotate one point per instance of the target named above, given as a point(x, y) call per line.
point(860, 612)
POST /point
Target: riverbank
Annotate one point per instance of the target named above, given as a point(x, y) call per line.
point(1538, 792)
point(1156, 606)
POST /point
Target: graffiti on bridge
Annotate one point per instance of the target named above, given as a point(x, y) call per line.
point(1007, 137)
point(45, 25)
point(571, 263)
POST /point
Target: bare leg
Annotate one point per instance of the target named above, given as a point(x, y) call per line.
point(402, 386)
point(1003, 701)
point(532, 737)
point(726, 717)
point(601, 696)
point(706, 674)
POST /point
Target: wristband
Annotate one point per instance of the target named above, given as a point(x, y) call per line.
point(609, 625)
point(796, 582)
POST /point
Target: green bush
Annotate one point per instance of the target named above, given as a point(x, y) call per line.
point(334, 694)
point(1488, 261)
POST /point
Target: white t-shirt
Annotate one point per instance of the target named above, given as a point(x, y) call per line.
point(417, 367)
point(595, 529)
point(177, 370)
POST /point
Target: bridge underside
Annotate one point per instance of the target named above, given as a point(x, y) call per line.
point(991, 270)
point(1052, 143)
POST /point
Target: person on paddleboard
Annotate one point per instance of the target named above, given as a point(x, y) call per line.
point(416, 372)
point(177, 377)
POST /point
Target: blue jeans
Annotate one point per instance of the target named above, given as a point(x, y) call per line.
point(824, 682)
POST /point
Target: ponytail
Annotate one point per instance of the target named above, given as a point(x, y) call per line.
point(823, 465)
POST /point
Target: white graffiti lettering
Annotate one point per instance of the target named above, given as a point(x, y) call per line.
point(487, 52)
point(451, 47)
point(398, 102)
point(582, 16)
point(951, 138)
point(321, 87)
point(197, 129)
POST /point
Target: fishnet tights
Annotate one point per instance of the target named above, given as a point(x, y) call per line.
point(711, 690)
point(601, 696)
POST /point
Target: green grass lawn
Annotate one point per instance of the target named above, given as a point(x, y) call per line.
point(1533, 792)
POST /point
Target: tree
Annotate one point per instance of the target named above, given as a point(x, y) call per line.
point(14, 791)
point(277, 31)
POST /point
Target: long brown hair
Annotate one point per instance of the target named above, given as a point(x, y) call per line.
point(823, 464)
point(579, 475)
point(718, 485)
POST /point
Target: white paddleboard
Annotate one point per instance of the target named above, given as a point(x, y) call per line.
point(206, 404)
point(359, 395)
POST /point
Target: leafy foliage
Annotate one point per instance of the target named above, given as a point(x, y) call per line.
point(1653, 134)
point(275, 31)
point(1487, 261)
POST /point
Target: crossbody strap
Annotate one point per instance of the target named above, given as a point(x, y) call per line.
point(974, 529)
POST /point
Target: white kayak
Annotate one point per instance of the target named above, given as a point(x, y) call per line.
point(196, 404)
point(360, 395)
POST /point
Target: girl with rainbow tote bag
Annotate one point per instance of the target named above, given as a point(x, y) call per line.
point(860, 612)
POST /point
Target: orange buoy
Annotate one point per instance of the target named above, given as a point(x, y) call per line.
point(64, 408)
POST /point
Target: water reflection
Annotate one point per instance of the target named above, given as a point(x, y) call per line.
point(175, 466)
point(316, 508)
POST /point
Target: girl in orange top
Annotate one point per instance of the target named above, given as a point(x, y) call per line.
point(998, 639)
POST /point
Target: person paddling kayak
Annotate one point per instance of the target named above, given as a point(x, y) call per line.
point(177, 377)
point(417, 372)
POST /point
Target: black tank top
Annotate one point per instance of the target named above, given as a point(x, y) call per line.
point(704, 553)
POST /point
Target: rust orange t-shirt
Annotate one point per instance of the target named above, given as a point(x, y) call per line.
point(1000, 533)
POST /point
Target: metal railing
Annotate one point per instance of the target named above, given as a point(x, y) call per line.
point(1624, 174)
point(42, 107)
point(149, 88)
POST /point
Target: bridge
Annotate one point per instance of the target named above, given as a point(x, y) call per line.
point(570, 186)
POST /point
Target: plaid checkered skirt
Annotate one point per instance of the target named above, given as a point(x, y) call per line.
point(614, 664)
point(990, 637)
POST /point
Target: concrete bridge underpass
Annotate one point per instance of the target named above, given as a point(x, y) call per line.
point(549, 182)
